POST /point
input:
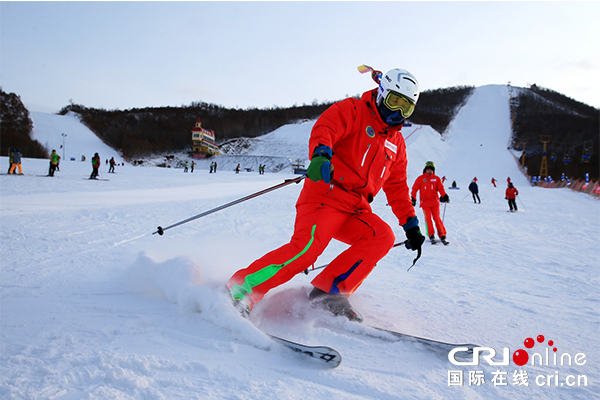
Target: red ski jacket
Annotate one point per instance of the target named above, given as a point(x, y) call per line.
point(368, 155)
point(511, 193)
point(429, 186)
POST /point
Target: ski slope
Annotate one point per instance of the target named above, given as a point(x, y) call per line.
point(79, 142)
point(94, 306)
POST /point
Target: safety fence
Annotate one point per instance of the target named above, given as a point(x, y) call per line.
point(591, 188)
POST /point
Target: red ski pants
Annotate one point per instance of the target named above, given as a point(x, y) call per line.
point(432, 214)
point(369, 238)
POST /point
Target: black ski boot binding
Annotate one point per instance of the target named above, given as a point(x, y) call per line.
point(335, 303)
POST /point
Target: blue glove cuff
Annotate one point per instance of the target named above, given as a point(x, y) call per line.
point(410, 223)
point(324, 151)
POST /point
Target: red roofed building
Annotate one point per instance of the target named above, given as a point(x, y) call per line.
point(203, 140)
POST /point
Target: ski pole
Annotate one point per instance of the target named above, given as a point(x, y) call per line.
point(306, 271)
point(444, 215)
point(521, 203)
point(160, 230)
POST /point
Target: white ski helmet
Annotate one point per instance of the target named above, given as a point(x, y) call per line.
point(397, 95)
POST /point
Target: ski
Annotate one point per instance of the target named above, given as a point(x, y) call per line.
point(435, 345)
point(325, 354)
point(94, 179)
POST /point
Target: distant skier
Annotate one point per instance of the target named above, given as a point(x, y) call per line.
point(494, 182)
point(511, 195)
point(16, 162)
point(474, 189)
point(237, 169)
point(111, 169)
point(192, 169)
point(11, 153)
point(95, 166)
point(185, 169)
point(431, 187)
point(54, 160)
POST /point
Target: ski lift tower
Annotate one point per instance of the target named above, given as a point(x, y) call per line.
point(545, 139)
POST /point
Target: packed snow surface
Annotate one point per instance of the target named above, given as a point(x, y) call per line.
point(94, 306)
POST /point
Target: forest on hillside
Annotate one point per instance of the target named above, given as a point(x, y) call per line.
point(16, 127)
point(571, 130)
point(138, 132)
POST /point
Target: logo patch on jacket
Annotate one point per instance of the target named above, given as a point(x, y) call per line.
point(391, 146)
point(370, 131)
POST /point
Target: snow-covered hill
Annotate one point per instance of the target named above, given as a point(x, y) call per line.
point(79, 143)
point(93, 306)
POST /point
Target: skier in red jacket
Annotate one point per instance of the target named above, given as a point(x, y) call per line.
point(429, 184)
point(361, 140)
point(511, 196)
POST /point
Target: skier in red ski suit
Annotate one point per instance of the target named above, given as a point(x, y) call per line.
point(361, 139)
point(511, 196)
point(429, 184)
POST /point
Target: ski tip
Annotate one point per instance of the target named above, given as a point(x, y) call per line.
point(324, 354)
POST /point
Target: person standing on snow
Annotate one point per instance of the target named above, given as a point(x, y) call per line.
point(95, 166)
point(54, 159)
point(432, 193)
point(356, 149)
point(10, 160)
point(511, 196)
point(111, 169)
point(494, 181)
point(474, 189)
point(16, 162)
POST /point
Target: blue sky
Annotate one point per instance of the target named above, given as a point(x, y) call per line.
point(121, 55)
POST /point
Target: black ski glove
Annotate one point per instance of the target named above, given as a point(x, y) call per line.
point(413, 234)
point(445, 199)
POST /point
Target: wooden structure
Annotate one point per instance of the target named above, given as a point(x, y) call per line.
point(203, 141)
